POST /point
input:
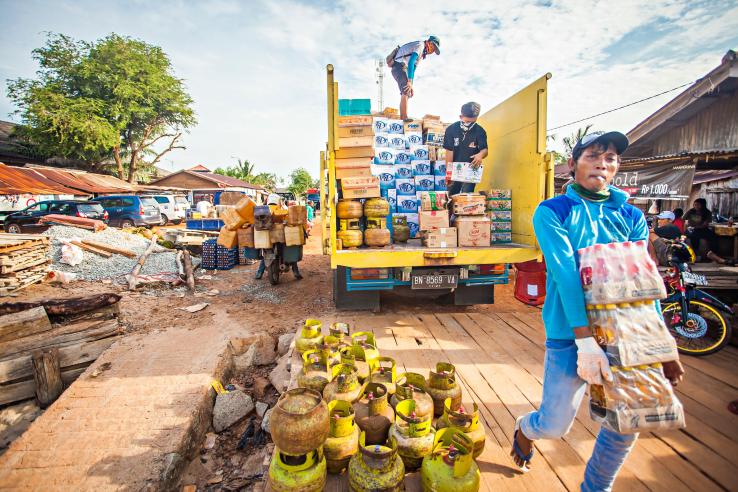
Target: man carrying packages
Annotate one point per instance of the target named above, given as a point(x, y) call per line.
point(591, 212)
point(403, 61)
point(465, 141)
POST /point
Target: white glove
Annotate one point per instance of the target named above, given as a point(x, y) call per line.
point(592, 363)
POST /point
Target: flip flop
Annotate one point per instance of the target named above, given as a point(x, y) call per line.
point(516, 448)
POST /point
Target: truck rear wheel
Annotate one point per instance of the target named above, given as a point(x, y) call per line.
point(365, 300)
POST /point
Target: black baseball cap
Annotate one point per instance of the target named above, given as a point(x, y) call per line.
point(619, 140)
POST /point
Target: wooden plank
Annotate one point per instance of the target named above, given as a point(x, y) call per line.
point(72, 305)
point(47, 376)
point(110, 249)
point(89, 248)
point(26, 389)
point(24, 323)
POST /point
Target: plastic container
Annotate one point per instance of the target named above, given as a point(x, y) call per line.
point(530, 282)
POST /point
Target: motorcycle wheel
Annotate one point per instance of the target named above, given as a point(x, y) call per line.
point(706, 331)
point(274, 273)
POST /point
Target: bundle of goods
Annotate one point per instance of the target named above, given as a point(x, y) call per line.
point(355, 141)
point(620, 283)
point(499, 211)
point(209, 254)
point(473, 227)
point(361, 429)
point(24, 260)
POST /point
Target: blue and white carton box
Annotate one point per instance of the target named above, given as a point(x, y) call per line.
point(424, 183)
point(421, 168)
point(439, 183)
point(419, 152)
point(403, 170)
point(386, 175)
point(402, 156)
point(397, 141)
point(385, 155)
point(414, 139)
point(439, 168)
point(392, 199)
point(405, 186)
point(407, 204)
point(395, 126)
point(381, 140)
point(413, 222)
point(381, 125)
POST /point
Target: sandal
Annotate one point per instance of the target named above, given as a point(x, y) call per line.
point(516, 448)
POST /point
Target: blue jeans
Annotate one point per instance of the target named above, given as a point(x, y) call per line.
point(563, 391)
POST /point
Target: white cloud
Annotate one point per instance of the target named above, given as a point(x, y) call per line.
point(256, 69)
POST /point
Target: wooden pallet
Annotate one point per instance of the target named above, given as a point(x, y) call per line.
point(14, 242)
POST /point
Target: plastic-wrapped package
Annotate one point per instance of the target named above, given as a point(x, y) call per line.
point(638, 399)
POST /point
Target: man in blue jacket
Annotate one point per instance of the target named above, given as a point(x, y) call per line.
point(590, 212)
point(404, 60)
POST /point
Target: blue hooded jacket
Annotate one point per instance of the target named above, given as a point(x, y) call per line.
point(565, 224)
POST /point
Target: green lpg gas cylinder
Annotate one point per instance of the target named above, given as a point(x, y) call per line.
point(412, 433)
point(344, 385)
point(467, 422)
point(306, 473)
point(343, 440)
point(316, 371)
point(364, 349)
point(441, 385)
point(376, 468)
point(384, 371)
point(411, 386)
point(310, 337)
point(450, 467)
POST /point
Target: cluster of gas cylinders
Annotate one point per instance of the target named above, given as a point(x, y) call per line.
point(352, 412)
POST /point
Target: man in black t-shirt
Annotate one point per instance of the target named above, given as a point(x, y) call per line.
point(465, 141)
point(664, 229)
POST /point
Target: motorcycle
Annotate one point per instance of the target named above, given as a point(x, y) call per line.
point(280, 259)
point(698, 321)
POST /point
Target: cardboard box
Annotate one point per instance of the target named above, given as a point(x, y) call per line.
point(501, 237)
point(396, 127)
point(420, 152)
point(434, 138)
point(413, 126)
point(498, 215)
point(440, 238)
point(464, 172)
point(424, 183)
point(434, 219)
point(422, 167)
point(392, 199)
point(439, 183)
point(381, 140)
point(432, 200)
point(500, 226)
point(380, 124)
point(439, 168)
point(390, 112)
point(294, 235)
point(405, 186)
point(262, 240)
point(473, 230)
point(435, 127)
point(354, 120)
point(346, 142)
point(414, 139)
point(361, 187)
point(353, 152)
point(245, 208)
point(231, 218)
point(385, 155)
point(386, 175)
point(398, 142)
point(404, 171)
point(246, 237)
point(496, 194)
point(468, 204)
point(498, 204)
point(356, 131)
point(353, 162)
point(407, 204)
point(353, 172)
point(403, 157)
point(413, 224)
point(227, 238)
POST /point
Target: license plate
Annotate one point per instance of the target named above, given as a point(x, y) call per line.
point(434, 281)
point(694, 279)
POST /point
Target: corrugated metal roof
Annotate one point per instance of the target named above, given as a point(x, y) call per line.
point(82, 180)
point(713, 175)
point(721, 152)
point(16, 180)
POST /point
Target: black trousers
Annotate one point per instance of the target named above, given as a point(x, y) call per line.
point(699, 234)
point(457, 187)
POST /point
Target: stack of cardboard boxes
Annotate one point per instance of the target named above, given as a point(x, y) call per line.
point(499, 211)
point(471, 224)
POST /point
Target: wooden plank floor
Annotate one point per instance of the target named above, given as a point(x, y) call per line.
point(499, 360)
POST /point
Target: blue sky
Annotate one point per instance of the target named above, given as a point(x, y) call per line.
point(256, 69)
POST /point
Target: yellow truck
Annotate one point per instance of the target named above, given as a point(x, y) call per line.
point(517, 160)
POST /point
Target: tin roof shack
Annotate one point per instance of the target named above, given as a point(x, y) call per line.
point(698, 127)
point(202, 183)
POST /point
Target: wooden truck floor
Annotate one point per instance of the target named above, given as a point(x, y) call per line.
point(498, 355)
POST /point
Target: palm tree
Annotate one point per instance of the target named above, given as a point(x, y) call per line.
point(245, 169)
point(571, 140)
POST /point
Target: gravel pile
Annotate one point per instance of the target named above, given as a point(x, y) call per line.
point(95, 267)
point(262, 292)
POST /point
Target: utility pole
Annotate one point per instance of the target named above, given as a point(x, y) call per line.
point(380, 82)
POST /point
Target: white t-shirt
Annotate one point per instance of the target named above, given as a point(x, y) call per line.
point(203, 207)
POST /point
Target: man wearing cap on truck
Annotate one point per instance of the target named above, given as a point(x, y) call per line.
point(403, 61)
point(591, 212)
point(465, 141)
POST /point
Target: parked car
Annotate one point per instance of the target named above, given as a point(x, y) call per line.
point(171, 208)
point(27, 220)
point(131, 210)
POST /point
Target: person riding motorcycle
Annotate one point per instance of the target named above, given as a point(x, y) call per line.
point(274, 202)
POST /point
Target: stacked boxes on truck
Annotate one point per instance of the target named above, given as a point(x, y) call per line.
point(499, 210)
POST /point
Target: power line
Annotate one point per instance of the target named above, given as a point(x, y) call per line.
point(619, 108)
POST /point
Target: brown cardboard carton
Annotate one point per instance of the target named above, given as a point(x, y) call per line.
point(294, 235)
point(246, 237)
point(227, 238)
point(433, 200)
point(433, 219)
point(261, 240)
point(440, 238)
point(361, 187)
point(353, 172)
point(356, 131)
point(231, 218)
point(353, 152)
point(355, 120)
point(353, 162)
point(413, 126)
point(468, 204)
point(473, 230)
point(347, 142)
point(245, 208)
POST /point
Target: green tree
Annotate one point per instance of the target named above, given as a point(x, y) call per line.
point(114, 98)
point(268, 181)
point(300, 180)
point(571, 140)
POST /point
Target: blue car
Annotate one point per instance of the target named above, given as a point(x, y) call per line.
point(130, 210)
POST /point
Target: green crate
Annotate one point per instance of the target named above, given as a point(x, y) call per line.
point(349, 107)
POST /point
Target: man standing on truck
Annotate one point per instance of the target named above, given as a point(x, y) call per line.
point(591, 212)
point(465, 141)
point(403, 61)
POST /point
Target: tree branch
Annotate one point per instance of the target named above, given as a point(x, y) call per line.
point(149, 144)
point(118, 161)
point(169, 148)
